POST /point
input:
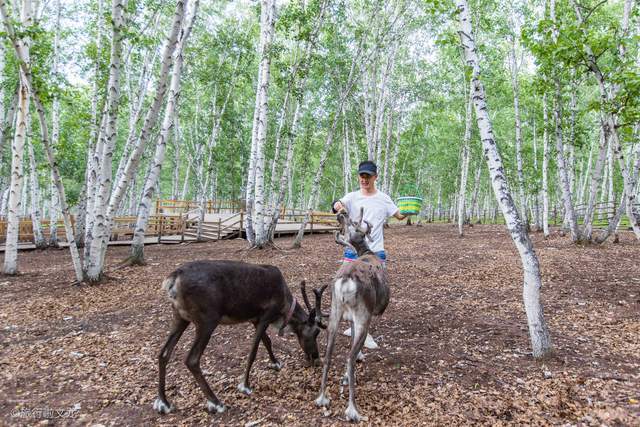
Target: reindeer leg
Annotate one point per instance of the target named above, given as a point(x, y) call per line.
point(161, 404)
point(260, 331)
point(275, 363)
point(360, 328)
point(334, 320)
point(203, 334)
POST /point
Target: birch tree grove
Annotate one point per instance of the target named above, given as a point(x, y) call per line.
point(264, 109)
point(538, 331)
point(22, 52)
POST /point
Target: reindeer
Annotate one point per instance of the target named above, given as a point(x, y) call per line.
point(212, 293)
point(359, 292)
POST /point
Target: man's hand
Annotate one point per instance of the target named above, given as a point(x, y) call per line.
point(399, 216)
point(337, 206)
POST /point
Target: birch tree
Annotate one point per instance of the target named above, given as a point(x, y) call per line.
point(17, 147)
point(464, 169)
point(100, 228)
point(255, 203)
point(173, 96)
point(538, 331)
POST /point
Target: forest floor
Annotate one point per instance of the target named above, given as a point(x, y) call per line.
point(454, 347)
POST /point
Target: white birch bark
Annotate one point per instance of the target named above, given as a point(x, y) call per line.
point(55, 133)
point(595, 183)
point(8, 119)
point(518, 131)
point(36, 214)
point(260, 237)
point(394, 161)
point(538, 332)
point(17, 147)
point(15, 189)
point(476, 189)
point(385, 168)
point(464, 167)
point(100, 231)
point(346, 157)
point(176, 155)
point(173, 96)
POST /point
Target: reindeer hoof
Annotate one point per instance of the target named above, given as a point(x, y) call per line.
point(215, 407)
point(162, 407)
point(360, 357)
point(322, 401)
point(275, 366)
point(244, 389)
point(352, 414)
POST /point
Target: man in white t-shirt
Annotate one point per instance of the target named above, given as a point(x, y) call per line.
point(377, 208)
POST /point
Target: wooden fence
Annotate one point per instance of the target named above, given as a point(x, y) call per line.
point(123, 228)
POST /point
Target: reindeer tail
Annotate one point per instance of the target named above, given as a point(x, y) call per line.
point(170, 285)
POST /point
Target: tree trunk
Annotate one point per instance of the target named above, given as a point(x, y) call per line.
point(538, 332)
point(36, 214)
point(19, 141)
point(173, 97)
point(17, 174)
point(258, 213)
point(100, 231)
point(518, 128)
point(464, 168)
point(595, 183)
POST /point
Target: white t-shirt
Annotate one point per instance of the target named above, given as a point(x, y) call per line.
point(377, 208)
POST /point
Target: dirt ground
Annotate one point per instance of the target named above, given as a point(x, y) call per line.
point(454, 347)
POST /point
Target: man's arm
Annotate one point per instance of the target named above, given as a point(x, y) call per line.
point(399, 216)
point(337, 206)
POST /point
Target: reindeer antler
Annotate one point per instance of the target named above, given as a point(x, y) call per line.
point(368, 232)
point(305, 298)
point(319, 314)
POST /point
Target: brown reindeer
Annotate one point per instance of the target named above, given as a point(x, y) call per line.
point(212, 293)
point(359, 292)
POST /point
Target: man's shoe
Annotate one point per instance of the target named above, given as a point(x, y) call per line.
point(369, 342)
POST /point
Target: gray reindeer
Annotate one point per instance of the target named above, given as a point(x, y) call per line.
point(360, 291)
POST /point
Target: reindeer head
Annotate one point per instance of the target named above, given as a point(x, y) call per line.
point(352, 234)
point(309, 328)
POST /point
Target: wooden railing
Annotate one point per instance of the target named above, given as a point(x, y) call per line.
point(169, 206)
point(123, 228)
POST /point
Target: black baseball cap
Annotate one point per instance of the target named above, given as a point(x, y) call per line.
point(368, 167)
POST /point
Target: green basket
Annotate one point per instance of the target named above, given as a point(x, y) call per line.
point(410, 205)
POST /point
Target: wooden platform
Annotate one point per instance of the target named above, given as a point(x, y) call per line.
point(216, 226)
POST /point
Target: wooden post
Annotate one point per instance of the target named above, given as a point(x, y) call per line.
point(157, 206)
point(241, 222)
point(183, 223)
point(312, 219)
point(219, 226)
point(159, 228)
